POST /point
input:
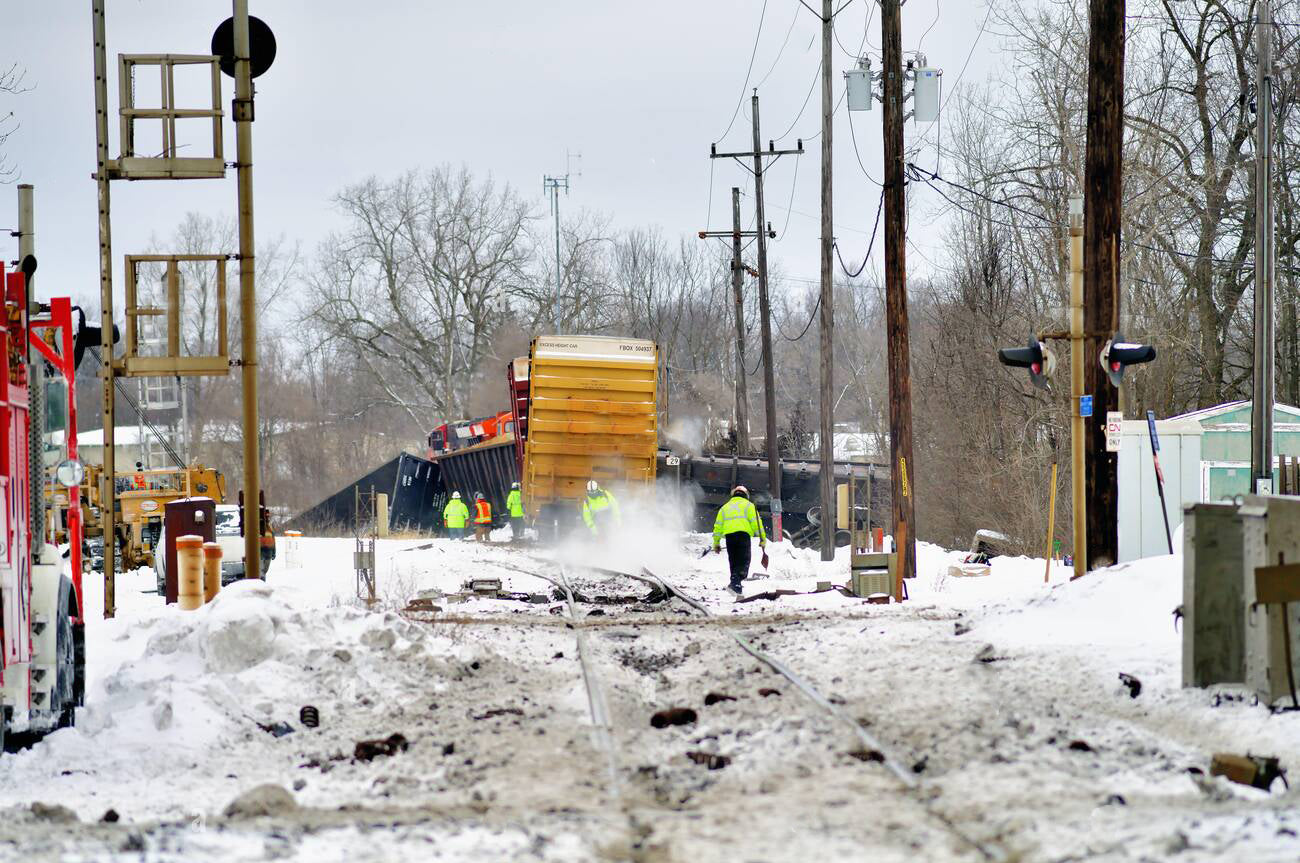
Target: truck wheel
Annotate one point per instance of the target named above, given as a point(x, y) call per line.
point(64, 696)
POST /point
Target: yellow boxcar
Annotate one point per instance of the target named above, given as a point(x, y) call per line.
point(591, 415)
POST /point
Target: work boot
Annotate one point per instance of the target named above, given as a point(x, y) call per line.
point(735, 588)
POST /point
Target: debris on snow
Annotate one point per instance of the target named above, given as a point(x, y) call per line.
point(369, 750)
point(673, 716)
point(1134, 685)
point(1253, 770)
point(53, 812)
point(714, 697)
point(263, 801)
point(711, 760)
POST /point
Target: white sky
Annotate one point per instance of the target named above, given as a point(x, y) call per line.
point(639, 89)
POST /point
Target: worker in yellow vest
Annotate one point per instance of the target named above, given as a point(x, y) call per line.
point(600, 511)
point(454, 516)
point(738, 523)
point(482, 517)
point(515, 507)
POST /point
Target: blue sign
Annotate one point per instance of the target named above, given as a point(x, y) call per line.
point(1085, 406)
point(1151, 428)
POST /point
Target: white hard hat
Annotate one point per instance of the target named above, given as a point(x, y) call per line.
point(455, 495)
point(514, 485)
point(592, 486)
point(740, 489)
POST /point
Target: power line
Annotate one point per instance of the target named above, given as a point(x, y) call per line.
point(921, 41)
point(816, 307)
point(870, 245)
point(916, 172)
point(748, 72)
point(784, 42)
point(969, 54)
point(854, 137)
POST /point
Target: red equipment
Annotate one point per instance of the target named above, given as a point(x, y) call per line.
point(41, 614)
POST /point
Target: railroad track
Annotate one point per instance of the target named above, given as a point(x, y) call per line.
point(873, 748)
point(910, 782)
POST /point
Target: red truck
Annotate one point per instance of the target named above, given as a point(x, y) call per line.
point(42, 627)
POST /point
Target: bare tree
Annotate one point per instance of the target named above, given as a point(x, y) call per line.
point(414, 285)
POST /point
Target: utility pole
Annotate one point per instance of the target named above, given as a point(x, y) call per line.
point(827, 433)
point(1261, 404)
point(896, 327)
point(738, 269)
point(243, 111)
point(738, 297)
point(554, 185)
point(106, 479)
point(1077, 468)
point(1103, 176)
point(765, 316)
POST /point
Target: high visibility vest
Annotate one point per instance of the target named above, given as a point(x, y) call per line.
point(602, 506)
point(735, 516)
point(455, 513)
point(515, 504)
point(482, 512)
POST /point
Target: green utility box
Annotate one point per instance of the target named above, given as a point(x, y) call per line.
point(873, 572)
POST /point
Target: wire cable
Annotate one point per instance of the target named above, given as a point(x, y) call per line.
point(921, 41)
point(853, 136)
point(870, 245)
point(743, 87)
point(973, 45)
point(784, 42)
point(816, 308)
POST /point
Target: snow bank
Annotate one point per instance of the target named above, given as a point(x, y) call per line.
point(184, 687)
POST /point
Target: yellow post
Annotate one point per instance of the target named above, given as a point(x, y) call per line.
point(189, 572)
point(211, 570)
point(1076, 388)
point(381, 514)
point(1051, 525)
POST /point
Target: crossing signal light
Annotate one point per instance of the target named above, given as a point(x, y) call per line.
point(1036, 357)
point(1118, 354)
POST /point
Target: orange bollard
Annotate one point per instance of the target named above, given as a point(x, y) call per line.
point(211, 570)
point(189, 574)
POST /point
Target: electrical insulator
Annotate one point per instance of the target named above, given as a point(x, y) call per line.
point(925, 94)
point(858, 82)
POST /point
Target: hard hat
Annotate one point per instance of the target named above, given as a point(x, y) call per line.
point(514, 485)
point(592, 486)
point(740, 490)
point(455, 495)
point(478, 495)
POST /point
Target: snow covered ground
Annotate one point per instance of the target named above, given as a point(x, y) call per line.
point(1002, 691)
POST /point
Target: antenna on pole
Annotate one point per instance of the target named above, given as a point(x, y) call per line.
point(553, 185)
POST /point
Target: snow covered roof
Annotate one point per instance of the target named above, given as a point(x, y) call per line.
point(1206, 416)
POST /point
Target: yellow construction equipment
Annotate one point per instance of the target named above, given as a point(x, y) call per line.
point(142, 497)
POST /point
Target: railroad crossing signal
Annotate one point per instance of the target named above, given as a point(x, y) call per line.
point(1118, 354)
point(1036, 357)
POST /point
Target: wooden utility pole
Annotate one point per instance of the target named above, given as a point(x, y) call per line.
point(827, 432)
point(1101, 235)
point(737, 294)
point(738, 269)
point(1261, 409)
point(763, 233)
point(896, 328)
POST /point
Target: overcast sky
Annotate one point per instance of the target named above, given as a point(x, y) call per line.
point(505, 88)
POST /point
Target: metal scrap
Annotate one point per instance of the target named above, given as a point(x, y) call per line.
point(1253, 770)
point(369, 750)
point(673, 716)
point(712, 760)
